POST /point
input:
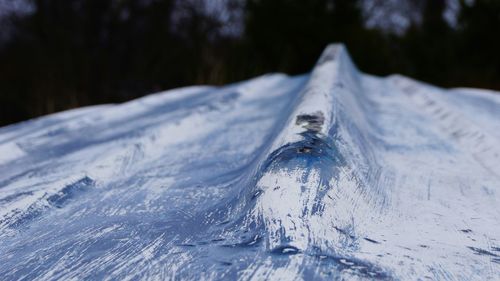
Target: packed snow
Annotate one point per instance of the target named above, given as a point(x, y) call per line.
point(333, 174)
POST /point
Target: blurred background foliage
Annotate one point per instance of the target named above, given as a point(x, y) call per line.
point(62, 54)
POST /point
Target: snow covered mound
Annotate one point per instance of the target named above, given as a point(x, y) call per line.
point(330, 175)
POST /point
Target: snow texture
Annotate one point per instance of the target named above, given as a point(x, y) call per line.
point(330, 175)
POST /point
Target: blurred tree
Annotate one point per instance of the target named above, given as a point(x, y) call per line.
point(479, 57)
point(69, 53)
point(288, 36)
point(61, 54)
point(430, 46)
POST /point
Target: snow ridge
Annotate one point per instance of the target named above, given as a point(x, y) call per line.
point(334, 174)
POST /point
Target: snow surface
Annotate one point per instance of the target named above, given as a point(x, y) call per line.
point(329, 175)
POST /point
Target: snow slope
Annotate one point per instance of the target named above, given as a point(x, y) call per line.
point(329, 175)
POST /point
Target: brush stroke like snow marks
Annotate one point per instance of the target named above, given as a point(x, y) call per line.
point(331, 175)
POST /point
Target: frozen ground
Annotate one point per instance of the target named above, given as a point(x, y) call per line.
point(330, 175)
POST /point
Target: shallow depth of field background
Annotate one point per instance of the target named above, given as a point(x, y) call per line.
point(62, 54)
